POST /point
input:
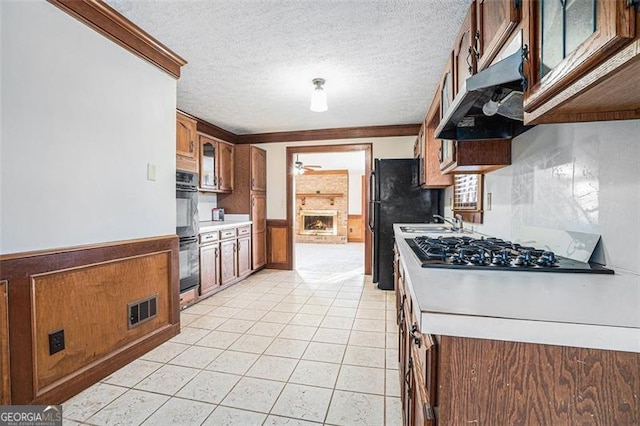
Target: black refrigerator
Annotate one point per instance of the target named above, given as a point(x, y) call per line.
point(396, 197)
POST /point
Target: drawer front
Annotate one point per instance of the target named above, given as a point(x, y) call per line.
point(209, 237)
point(188, 297)
point(245, 230)
point(227, 233)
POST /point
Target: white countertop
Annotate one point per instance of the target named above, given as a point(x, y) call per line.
point(569, 309)
point(211, 225)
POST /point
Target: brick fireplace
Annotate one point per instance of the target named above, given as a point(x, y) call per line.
point(322, 199)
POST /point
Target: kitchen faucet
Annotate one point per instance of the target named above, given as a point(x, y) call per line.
point(456, 223)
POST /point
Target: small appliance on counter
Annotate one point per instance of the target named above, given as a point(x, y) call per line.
point(217, 214)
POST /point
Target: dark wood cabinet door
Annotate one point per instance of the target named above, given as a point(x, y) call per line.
point(464, 60)
point(258, 169)
point(244, 256)
point(259, 212)
point(225, 166)
point(496, 19)
point(209, 268)
point(228, 261)
point(259, 250)
point(186, 144)
point(5, 386)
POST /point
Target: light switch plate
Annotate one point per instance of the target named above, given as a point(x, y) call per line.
point(489, 199)
point(151, 171)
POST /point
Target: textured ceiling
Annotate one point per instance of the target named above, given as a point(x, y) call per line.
point(251, 62)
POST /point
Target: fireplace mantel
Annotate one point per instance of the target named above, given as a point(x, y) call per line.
point(331, 196)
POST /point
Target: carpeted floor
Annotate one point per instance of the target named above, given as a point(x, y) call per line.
point(339, 259)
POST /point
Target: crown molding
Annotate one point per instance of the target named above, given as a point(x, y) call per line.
point(110, 23)
point(331, 134)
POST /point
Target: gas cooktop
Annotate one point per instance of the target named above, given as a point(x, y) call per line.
point(493, 254)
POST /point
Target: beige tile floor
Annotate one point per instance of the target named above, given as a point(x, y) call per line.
point(280, 348)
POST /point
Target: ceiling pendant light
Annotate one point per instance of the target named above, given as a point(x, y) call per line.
point(318, 96)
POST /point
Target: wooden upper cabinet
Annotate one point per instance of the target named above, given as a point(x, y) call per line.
point(496, 19)
point(208, 163)
point(464, 60)
point(445, 89)
point(258, 169)
point(225, 166)
point(433, 177)
point(576, 47)
point(418, 152)
point(186, 143)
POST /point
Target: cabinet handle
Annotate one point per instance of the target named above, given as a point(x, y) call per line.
point(412, 333)
point(253, 181)
point(525, 57)
point(400, 311)
point(476, 49)
point(190, 146)
point(428, 411)
point(469, 57)
point(215, 181)
point(407, 377)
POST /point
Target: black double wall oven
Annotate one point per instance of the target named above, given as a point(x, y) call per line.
point(187, 228)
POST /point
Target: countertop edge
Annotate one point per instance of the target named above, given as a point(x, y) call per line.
point(212, 226)
point(607, 337)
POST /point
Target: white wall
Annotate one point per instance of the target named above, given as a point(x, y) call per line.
point(81, 118)
point(396, 147)
point(581, 177)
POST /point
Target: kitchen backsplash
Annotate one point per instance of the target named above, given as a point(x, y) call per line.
point(579, 177)
point(206, 202)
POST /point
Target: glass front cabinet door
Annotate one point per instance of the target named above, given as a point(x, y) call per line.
point(566, 38)
point(208, 148)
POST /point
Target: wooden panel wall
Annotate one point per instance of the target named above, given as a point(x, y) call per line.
point(355, 229)
point(85, 291)
point(5, 383)
point(488, 382)
point(278, 254)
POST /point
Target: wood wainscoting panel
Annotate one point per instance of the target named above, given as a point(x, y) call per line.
point(85, 291)
point(91, 305)
point(355, 228)
point(5, 383)
point(278, 254)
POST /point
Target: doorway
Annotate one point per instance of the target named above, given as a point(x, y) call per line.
point(294, 202)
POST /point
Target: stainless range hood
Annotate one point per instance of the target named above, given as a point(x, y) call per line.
point(497, 90)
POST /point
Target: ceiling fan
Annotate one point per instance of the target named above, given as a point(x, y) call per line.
point(300, 167)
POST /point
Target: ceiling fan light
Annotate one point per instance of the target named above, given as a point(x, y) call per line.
point(318, 96)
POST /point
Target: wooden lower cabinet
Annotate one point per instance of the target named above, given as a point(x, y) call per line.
point(228, 261)
point(259, 248)
point(209, 268)
point(5, 384)
point(244, 256)
point(457, 380)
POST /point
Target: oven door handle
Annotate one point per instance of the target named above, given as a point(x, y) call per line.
point(188, 240)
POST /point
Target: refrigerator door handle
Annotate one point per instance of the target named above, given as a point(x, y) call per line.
point(370, 216)
point(372, 201)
